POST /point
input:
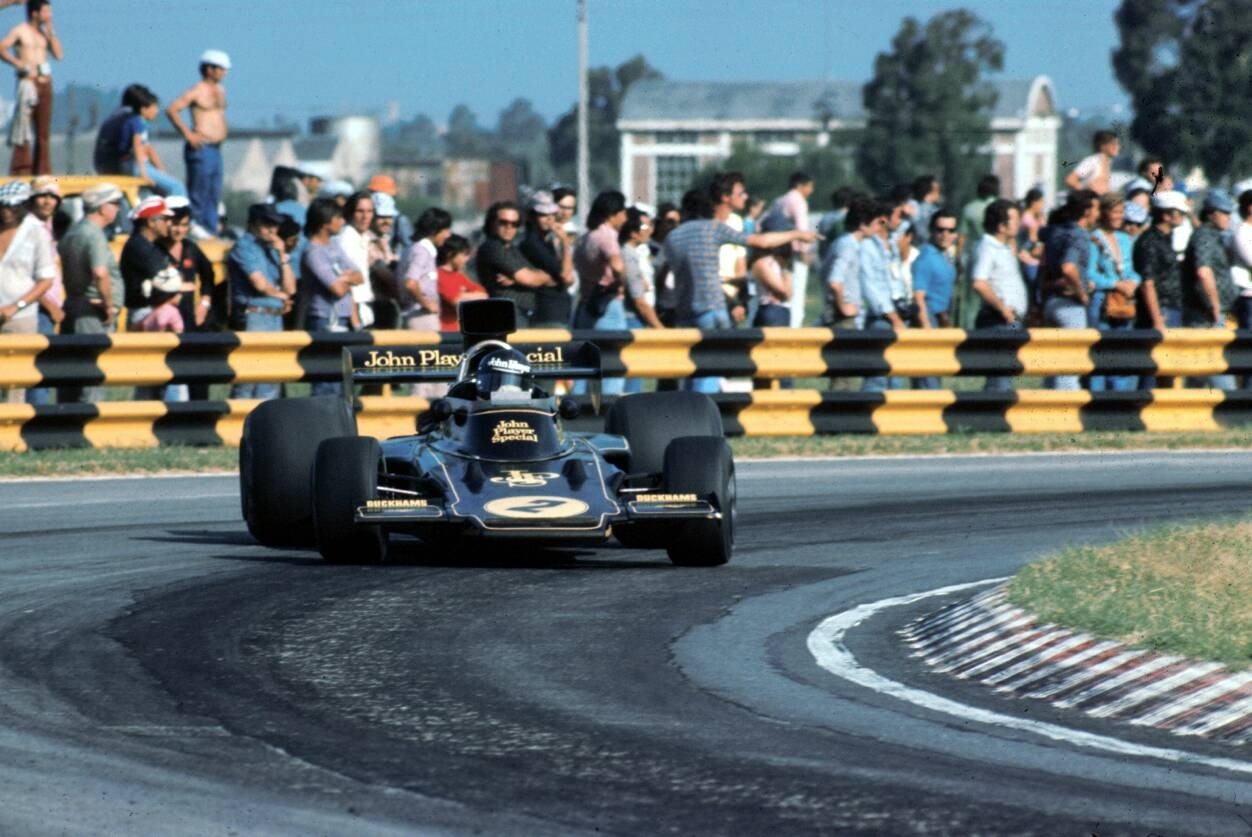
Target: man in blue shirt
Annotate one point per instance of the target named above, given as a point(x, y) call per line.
point(262, 284)
point(927, 194)
point(1066, 255)
point(841, 267)
point(877, 285)
point(934, 275)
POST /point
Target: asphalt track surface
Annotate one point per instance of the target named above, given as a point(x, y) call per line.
point(160, 673)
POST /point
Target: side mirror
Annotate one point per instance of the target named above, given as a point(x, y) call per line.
point(568, 409)
point(433, 416)
point(440, 409)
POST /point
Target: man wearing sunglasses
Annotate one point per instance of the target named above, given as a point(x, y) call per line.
point(501, 267)
point(934, 272)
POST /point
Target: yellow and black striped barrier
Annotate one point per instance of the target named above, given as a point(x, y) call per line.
point(139, 424)
point(155, 359)
point(252, 357)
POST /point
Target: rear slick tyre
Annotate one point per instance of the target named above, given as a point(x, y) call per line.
point(702, 465)
point(650, 421)
point(345, 477)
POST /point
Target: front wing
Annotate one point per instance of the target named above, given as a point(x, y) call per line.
point(540, 517)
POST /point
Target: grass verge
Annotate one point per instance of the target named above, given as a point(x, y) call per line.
point(1182, 590)
point(94, 462)
point(855, 445)
point(90, 462)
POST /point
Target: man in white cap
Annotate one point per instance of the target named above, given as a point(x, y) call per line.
point(548, 251)
point(28, 267)
point(203, 150)
point(141, 258)
point(1160, 269)
point(383, 261)
point(93, 282)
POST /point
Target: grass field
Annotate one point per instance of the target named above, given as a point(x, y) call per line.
point(1183, 590)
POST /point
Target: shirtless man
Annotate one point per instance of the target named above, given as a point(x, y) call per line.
point(35, 40)
point(203, 150)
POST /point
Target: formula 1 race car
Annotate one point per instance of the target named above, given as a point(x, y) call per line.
point(492, 460)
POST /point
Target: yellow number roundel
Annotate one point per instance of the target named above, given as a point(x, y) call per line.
point(535, 508)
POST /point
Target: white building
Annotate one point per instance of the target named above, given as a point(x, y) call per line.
point(342, 147)
point(671, 130)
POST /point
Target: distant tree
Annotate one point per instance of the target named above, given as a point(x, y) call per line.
point(421, 135)
point(929, 105)
point(523, 135)
point(465, 138)
point(412, 140)
point(1186, 66)
point(520, 124)
point(606, 89)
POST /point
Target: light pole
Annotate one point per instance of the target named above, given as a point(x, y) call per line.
point(584, 179)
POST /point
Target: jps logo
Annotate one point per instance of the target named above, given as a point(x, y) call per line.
point(524, 479)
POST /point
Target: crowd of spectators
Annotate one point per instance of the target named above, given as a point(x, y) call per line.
point(323, 256)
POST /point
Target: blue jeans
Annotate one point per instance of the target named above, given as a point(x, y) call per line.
point(318, 322)
point(706, 321)
point(772, 315)
point(42, 396)
point(879, 383)
point(165, 183)
point(930, 381)
point(613, 319)
point(1194, 319)
point(1063, 312)
point(990, 318)
point(1243, 316)
point(633, 322)
point(1095, 315)
point(259, 322)
point(204, 184)
point(1173, 319)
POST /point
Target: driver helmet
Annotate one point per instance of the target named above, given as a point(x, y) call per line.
point(504, 373)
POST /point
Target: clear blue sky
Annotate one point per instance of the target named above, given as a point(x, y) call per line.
point(304, 57)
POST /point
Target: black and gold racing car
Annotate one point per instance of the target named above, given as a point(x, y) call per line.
point(492, 460)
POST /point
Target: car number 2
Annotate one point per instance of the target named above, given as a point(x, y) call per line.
point(535, 508)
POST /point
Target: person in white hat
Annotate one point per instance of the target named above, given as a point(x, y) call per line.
point(1158, 266)
point(203, 152)
point(383, 261)
point(142, 259)
point(92, 280)
point(27, 269)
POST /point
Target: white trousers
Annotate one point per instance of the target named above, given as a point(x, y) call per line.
point(799, 282)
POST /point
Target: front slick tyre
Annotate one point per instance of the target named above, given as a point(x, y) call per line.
point(345, 476)
point(280, 439)
point(702, 465)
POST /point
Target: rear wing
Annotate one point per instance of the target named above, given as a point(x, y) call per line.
point(411, 364)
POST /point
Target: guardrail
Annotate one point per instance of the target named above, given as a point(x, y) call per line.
point(154, 359)
point(249, 357)
point(140, 424)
